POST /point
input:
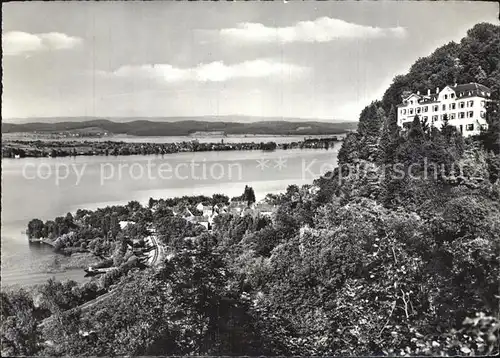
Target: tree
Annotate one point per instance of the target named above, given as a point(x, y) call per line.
point(445, 127)
point(389, 138)
point(349, 151)
point(416, 132)
point(114, 225)
point(134, 206)
point(269, 146)
point(426, 126)
point(370, 120)
point(490, 138)
point(35, 228)
point(172, 229)
point(249, 195)
point(220, 199)
point(58, 297)
point(69, 220)
point(162, 211)
point(20, 333)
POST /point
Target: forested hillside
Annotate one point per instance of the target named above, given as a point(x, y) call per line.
point(374, 263)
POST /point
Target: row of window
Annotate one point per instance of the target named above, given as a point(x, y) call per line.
point(468, 127)
point(435, 107)
point(452, 95)
point(451, 116)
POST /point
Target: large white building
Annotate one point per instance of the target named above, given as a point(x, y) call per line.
point(465, 106)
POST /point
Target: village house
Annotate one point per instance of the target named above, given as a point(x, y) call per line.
point(124, 224)
point(185, 214)
point(265, 209)
point(464, 105)
point(237, 207)
point(202, 220)
point(207, 210)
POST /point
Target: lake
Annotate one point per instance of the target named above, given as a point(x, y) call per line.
point(48, 187)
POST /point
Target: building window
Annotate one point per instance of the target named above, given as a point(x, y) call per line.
point(426, 109)
point(483, 104)
point(461, 104)
point(425, 118)
point(403, 111)
point(410, 111)
point(418, 110)
point(452, 115)
point(445, 96)
point(470, 114)
point(469, 127)
point(434, 118)
point(470, 103)
point(483, 114)
point(452, 95)
point(435, 108)
point(452, 105)
point(443, 107)
point(461, 115)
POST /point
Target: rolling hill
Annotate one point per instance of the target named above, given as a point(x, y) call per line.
point(186, 127)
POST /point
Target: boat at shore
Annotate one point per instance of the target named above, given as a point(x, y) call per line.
point(90, 271)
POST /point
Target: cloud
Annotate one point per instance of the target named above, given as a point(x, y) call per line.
point(211, 72)
point(18, 43)
point(323, 29)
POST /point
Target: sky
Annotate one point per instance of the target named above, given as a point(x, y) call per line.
point(314, 60)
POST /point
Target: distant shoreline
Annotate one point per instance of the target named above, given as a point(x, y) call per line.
point(18, 149)
point(188, 127)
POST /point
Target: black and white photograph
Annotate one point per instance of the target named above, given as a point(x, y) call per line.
point(250, 178)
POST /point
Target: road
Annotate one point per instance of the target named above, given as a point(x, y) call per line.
point(158, 255)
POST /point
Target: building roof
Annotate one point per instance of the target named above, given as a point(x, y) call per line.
point(470, 90)
point(473, 86)
point(432, 98)
point(462, 91)
point(237, 203)
point(408, 96)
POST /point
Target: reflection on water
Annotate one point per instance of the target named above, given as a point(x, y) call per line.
point(48, 187)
